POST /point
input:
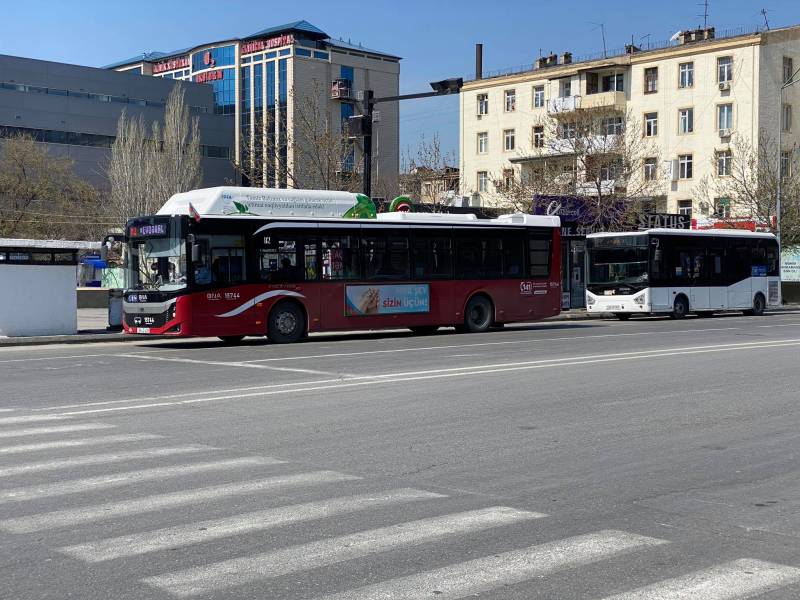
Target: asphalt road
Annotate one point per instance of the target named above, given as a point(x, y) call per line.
point(644, 460)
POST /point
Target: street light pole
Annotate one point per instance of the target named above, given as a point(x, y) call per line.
point(789, 82)
point(440, 88)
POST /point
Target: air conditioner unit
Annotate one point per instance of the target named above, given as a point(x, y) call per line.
point(725, 133)
point(724, 86)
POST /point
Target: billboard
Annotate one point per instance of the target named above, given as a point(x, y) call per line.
point(790, 264)
point(368, 300)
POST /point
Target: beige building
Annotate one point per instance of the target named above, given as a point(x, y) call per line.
point(264, 80)
point(690, 97)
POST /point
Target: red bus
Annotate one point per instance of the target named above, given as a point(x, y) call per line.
point(231, 276)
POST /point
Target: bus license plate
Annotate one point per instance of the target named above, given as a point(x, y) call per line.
point(614, 307)
point(142, 330)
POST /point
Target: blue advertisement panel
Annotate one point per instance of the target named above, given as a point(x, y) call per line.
point(364, 300)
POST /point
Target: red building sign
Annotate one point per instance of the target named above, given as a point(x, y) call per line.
point(259, 45)
point(171, 64)
point(209, 76)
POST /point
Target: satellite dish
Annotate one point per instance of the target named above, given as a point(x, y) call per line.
point(676, 36)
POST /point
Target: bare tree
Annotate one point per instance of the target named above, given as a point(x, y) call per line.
point(598, 155)
point(745, 186)
point(429, 175)
point(315, 151)
point(145, 170)
point(40, 195)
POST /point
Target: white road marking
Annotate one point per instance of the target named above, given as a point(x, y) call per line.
point(29, 419)
point(467, 371)
point(208, 578)
point(66, 357)
point(743, 578)
point(78, 443)
point(219, 363)
point(100, 459)
point(56, 429)
point(509, 568)
point(103, 482)
point(4, 410)
point(261, 520)
point(115, 510)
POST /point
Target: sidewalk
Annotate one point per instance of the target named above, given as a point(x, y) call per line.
point(92, 324)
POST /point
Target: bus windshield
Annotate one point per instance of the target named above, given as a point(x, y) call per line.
point(622, 259)
point(157, 263)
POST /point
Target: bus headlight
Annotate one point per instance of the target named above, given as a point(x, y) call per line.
point(639, 299)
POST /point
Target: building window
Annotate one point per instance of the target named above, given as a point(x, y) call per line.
point(686, 120)
point(722, 208)
point(651, 80)
point(725, 117)
point(686, 75)
point(538, 96)
point(786, 164)
point(650, 169)
point(724, 163)
point(614, 83)
point(511, 100)
point(650, 124)
point(565, 88)
point(508, 179)
point(788, 69)
point(483, 181)
point(483, 104)
point(567, 131)
point(538, 136)
point(725, 69)
point(613, 125)
point(685, 166)
point(483, 143)
point(685, 207)
point(786, 117)
point(608, 171)
point(509, 141)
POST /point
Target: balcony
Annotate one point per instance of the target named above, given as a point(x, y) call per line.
point(341, 89)
point(603, 100)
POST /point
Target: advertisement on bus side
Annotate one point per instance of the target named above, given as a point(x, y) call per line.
point(367, 300)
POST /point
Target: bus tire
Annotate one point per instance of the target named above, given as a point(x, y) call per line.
point(680, 308)
point(424, 329)
point(230, 340)
point(623, 316)
point(286, 323)
point(759, 304)
point(479, 314)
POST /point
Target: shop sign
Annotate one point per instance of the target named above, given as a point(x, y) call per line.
point(267, 44)
point(171, 64)
point(209, 76)
point(665, 221)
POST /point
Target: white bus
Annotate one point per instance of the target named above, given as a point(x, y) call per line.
point(675, 272)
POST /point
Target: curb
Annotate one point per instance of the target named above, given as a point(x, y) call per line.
point(96, 336)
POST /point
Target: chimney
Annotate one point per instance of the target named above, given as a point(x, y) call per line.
point(478, 61)
point(552, 60)
point(631, 49)
point(566, 58)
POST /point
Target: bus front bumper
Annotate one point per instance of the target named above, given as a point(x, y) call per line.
point(638, 303)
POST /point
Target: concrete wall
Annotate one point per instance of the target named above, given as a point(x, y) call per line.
point(37, 300)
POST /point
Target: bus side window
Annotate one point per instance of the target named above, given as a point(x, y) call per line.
point(513, 255)
point(340, 258)
point(433, 256)
point(278, 259)
point(385, 256)
point(539, 255)
point(773, 264)
point(227, 265)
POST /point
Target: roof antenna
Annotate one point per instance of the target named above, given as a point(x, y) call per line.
point(766, 21)
point(705, 13)
point(603, 33)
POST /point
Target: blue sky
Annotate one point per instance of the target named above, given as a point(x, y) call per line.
point(435, 38)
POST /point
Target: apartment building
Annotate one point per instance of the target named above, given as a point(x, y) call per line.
point(691, 96)
point(265, 80)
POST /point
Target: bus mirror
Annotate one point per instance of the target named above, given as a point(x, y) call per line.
point(195, 253)
point(104, 252)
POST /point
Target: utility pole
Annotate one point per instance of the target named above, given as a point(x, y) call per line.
point(369, 105)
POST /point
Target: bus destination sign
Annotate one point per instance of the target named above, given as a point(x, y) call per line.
point(148, 230)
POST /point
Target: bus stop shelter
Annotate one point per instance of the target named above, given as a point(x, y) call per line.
point(38, 286)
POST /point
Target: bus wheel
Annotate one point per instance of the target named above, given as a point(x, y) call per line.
point(286, 324)
point(424, 329)
point(479, 314)
point(759, 304)
point(623, 316)
point(231, 339)
point(681, 308)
